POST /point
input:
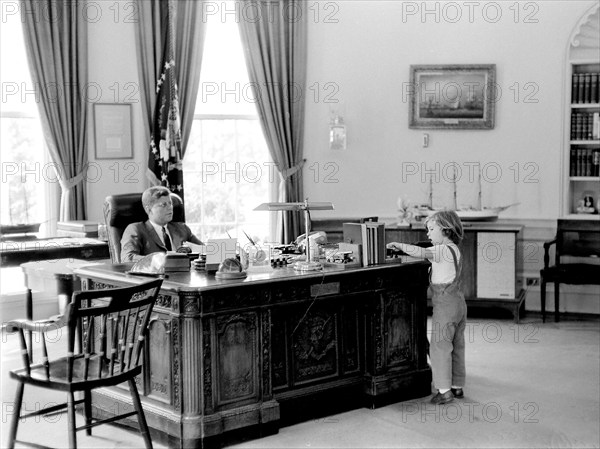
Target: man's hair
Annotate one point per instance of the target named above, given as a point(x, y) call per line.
point(153, 194)
point(450, 224)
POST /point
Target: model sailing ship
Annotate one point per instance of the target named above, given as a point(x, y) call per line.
point(477, 213)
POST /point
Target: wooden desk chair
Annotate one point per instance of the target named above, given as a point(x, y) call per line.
point(122, 210)
point(574, 238)
point(113, 324)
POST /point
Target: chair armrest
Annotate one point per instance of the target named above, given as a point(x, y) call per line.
point(44, 325)
point(547, 246)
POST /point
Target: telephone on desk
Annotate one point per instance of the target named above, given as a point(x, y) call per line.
point(395, 253)
point(316, 237)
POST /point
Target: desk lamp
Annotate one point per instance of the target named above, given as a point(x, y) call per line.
point(306, 265)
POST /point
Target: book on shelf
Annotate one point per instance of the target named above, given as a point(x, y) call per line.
point(584, 162)
point(580, 94)
point(78, 226)
point(585, 88)
point(585, 126)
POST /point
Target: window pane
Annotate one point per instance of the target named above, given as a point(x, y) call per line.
point(227, 167)
point(23, 192)
point(229, 173)
point(22, 149)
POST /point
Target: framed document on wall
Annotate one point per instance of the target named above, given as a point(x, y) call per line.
point(112, 131)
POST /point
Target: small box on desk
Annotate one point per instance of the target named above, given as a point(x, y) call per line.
point(346, 255)
point(177, 262)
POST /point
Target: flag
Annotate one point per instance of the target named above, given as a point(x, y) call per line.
point(165, 160)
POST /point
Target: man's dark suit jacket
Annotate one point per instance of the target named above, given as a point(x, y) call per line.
point(140, 239)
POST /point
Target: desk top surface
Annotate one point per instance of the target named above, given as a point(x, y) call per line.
point(49, 244)
point(194, 280)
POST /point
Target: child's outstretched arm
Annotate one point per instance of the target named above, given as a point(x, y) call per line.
point(411, 250)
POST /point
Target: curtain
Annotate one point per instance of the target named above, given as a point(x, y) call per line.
point(56, 36)
point(188, 33)
point(274, 40)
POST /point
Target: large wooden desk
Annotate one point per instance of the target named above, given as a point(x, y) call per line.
point(256, 353)
point(16, 252)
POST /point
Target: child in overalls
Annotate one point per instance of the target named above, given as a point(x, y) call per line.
point(447, 346)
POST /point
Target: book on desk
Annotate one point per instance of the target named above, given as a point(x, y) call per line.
point(371, 237)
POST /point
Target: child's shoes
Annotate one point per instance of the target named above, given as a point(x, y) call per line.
point(442, 398)
point(457, 392)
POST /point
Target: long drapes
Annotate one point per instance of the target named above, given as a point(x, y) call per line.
point(151, 39)
point(274, 41)
point(56, 40)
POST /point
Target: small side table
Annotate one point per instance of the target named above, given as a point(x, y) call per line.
point(54, 277)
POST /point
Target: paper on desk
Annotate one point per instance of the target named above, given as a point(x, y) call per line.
point(200, 249)
point(217, 250)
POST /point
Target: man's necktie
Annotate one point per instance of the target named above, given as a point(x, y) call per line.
point(167, 239)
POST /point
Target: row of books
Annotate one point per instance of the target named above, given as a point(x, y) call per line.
point(584, 88)
point(77, 228)
point(373, 243)
point(584, 162)
point(585, 125)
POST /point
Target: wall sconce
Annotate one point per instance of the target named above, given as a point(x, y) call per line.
point(337, 133)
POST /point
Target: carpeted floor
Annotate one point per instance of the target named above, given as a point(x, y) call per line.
point(530, 385)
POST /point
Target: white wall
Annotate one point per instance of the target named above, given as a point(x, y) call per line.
point(366, 54)
point(359, 54)
point(113, 74)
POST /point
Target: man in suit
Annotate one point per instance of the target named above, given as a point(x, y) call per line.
point(158, 233)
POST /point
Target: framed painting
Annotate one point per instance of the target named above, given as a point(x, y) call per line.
point(452, 96)
point(112, 131)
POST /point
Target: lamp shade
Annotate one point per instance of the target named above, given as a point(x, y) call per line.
point(295, 206)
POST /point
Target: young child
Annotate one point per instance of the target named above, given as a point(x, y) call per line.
point(447, 346)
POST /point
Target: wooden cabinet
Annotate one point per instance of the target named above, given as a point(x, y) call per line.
point(581, 148)
point(489, 263)
point(489, 254)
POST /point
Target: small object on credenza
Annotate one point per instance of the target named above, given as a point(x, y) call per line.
point(78, 225)
point(77, 228)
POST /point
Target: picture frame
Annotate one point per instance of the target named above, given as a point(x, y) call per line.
point(112, 131)
point(452, 96)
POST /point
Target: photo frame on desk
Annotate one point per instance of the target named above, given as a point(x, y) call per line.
point(452, 96)
point(112, 131)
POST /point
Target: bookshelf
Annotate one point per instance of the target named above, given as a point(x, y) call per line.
point(581, 155)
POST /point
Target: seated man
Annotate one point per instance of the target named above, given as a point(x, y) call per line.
point(157, 234)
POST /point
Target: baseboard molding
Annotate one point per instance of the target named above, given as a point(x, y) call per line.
point(579, 299)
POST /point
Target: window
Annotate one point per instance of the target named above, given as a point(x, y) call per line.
point(24, 187)
point(228, 169)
